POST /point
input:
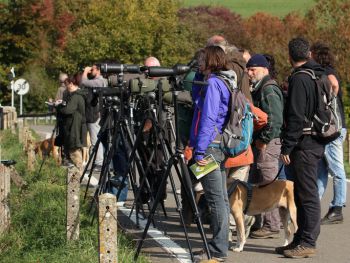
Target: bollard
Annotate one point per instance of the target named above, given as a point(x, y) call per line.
point(31, 154)
point(20, 134)
point(4, 193)
point(107, 228)
point(73, 187)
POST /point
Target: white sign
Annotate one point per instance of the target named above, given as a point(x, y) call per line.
point(21, 86)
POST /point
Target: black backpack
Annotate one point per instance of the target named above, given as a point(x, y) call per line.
point(325, 125)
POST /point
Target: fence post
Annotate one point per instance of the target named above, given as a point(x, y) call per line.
point(4, 193)
point(31, 153)
point(73, 187)
point(107, 226)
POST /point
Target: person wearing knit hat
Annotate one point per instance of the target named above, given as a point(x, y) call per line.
point(266, 142)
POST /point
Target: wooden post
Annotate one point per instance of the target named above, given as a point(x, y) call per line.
point(4, 193)
point(73, 187)
point(107, 219)
point(20, 133)
point(31, 154)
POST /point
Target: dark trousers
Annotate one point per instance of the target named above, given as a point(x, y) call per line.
point(304, 168)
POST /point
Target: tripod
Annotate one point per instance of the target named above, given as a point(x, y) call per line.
point(176, 158)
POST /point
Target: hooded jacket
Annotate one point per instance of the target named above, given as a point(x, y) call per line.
point(301, 103)
point(211, 114)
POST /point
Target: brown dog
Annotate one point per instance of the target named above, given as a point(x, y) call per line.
point(46, 147)
point(264, 199)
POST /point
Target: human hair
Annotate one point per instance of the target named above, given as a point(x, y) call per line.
point(71, 79)
point(299, 49)
point(322, 54)
point(215, 59)
point(272, 69)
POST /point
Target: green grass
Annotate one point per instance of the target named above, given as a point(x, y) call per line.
point(37, 232)
point(247, 8)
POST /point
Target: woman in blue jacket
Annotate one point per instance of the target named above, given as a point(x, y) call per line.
point(210, 116)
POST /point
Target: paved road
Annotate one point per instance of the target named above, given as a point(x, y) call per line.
point(332, 243)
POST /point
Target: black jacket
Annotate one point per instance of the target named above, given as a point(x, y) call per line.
point(74, 121)
point(301, 102)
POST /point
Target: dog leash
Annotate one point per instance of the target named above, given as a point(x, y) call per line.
point(278, 174)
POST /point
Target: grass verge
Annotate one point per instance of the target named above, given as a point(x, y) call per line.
point(37, 232)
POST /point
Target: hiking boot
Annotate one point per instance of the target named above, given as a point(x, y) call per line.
point(264, 233)
point(300, 252)
point(334, 216)
point(201, 255)
point(280, 250)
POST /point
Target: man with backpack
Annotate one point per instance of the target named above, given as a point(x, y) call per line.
point(92, 78)
point(301, 150)
point(268, 97)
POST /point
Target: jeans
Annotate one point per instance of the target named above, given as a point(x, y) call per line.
point(333, 163)
point(93, 129)
point(215, 191)
point(120, 161)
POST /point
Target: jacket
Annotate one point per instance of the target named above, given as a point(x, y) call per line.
point(74, 122)
point(211, 104)
point(269, 99)
point(92, 111)
point(301, 103)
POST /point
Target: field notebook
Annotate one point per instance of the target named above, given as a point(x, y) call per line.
point(200, 171)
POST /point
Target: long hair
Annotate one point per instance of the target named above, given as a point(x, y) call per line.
point(215, 59)
point(322, 54)
point(272, 68)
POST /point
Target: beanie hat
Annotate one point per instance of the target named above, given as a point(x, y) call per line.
point(257, 61)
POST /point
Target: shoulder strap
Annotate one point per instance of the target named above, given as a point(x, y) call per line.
point(309, 72)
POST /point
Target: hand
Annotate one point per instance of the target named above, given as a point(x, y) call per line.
point(87, 69)
point(260, 145)
point(285, 159)
point(58, 102)
point(188, 153)
point(202, 162)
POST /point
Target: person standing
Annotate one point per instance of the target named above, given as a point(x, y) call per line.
point(268, 97)
point(74, 130)
point(333, 160)
point(210, 115)
point(301, 151)
point(92, 78)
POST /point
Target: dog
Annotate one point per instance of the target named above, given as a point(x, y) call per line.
point(279, 194)
point(46, 148)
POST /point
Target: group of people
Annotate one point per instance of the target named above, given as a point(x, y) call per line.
point(281, 141)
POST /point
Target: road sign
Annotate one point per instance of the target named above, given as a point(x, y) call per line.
point(21, 86)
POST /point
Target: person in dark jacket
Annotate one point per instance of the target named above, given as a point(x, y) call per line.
point(73, 112)
point(268, 97)
point(333, 161)
point(210, 115)
point(302, 152)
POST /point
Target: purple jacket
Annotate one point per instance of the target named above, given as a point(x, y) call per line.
point(211, 110)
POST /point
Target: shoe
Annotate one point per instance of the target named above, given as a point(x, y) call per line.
point(202, 255)
point(248, 222)
point(300, 252)
point(334, 216)
point(280, 250)
point(264, 233)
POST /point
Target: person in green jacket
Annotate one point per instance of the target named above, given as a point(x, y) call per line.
point(73, 111)
point(268, 97)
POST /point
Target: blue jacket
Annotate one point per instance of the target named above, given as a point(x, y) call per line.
point(210, 113)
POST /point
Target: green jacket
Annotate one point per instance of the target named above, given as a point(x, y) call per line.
point(74, 120)
point(269, 98)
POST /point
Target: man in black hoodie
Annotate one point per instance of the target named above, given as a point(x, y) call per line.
point(302, 152)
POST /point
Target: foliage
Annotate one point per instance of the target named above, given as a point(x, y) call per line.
point(38, 232)
point(206, 21)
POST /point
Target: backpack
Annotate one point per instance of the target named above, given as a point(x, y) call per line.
point(325, 125)
point(237, 134)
